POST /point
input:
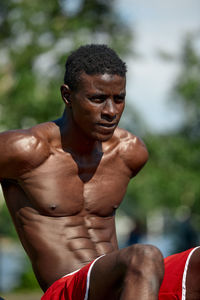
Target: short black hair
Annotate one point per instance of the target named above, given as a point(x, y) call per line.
point(92, 59)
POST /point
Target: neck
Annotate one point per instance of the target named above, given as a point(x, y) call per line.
point(73, 139)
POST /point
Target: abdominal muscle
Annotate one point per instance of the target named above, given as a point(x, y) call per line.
point(60, 245)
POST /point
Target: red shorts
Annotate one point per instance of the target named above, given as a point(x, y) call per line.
point(73, 286)
point(174, 283)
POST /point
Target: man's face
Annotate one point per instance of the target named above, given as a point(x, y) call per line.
point(97, 105)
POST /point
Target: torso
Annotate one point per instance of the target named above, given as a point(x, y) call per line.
point(64, 209)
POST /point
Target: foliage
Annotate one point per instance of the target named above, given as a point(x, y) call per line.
point(6, 225)
point(187, 86)
point(170, 178)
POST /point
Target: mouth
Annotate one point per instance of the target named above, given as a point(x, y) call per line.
point(107, 125)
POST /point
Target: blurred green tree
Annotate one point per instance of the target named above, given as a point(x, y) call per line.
point(187, 86)
point(171, 177)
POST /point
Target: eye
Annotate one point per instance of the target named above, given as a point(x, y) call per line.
point(119, 99)
point(97, 98)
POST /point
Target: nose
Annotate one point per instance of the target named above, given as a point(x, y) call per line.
point(109, 111)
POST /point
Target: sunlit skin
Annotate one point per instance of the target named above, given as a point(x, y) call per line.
point(63, 182)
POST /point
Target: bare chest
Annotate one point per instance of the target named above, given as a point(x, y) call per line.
point(62, 186)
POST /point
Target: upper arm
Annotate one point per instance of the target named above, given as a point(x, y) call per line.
point(20, 151)
point(135, 153)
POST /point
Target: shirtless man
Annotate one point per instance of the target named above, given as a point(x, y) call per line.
point(64, 179)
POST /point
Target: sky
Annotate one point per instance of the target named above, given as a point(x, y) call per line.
point(157, 25)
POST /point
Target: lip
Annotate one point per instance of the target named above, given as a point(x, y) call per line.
point(107, 125)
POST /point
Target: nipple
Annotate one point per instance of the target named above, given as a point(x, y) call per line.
point(52, 206)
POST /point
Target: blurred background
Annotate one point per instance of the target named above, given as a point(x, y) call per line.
point(160, 41)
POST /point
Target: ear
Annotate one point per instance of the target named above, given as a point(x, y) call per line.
point(66, 94)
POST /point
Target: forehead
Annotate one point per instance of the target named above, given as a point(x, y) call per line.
point(102, 83)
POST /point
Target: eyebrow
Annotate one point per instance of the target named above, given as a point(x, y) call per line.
point(99, 96)
point(120, 95)
point(104, 96)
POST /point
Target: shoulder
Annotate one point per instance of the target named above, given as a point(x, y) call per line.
point(22, 150)
point(26, 141)
point(132, 150)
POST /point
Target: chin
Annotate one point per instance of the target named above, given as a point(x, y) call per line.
point(103, 138)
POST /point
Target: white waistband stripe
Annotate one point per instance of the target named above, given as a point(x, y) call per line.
point(88, 276)
point(185, 273)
